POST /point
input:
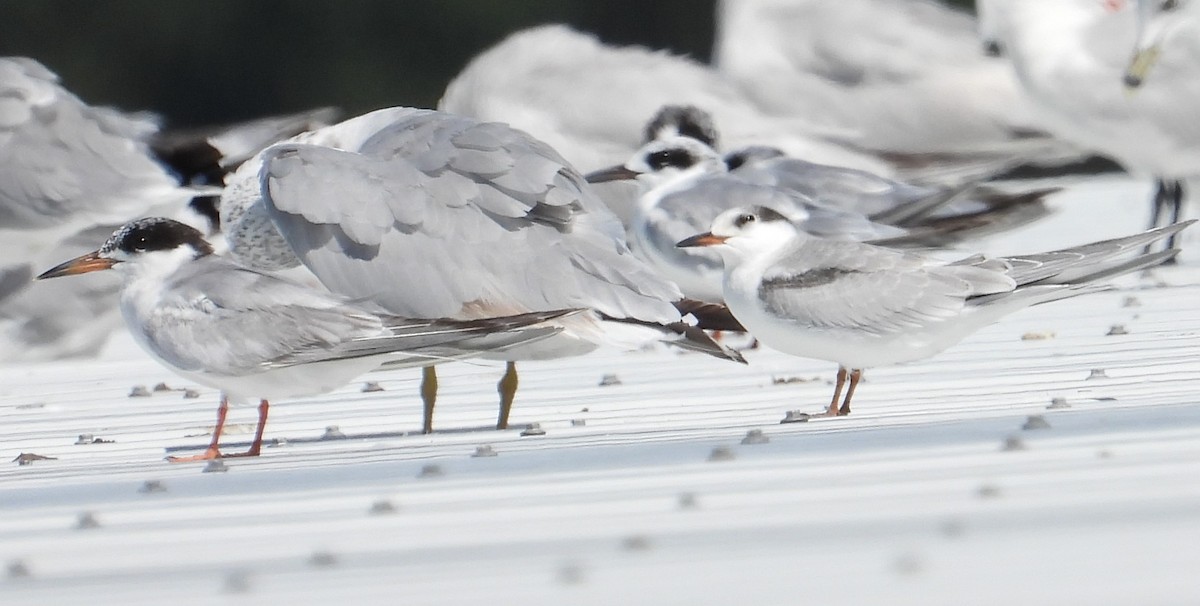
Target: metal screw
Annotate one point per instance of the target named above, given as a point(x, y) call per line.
point(533, 429)
point(755, 436)
point(484, 450)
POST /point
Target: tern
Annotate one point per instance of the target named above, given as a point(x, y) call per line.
point(432, 215)
point(1073, 58)
point(686, 183)
point(254, 335)
point(863, 306)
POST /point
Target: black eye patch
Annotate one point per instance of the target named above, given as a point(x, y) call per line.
point(677, 158)
point(155, 234)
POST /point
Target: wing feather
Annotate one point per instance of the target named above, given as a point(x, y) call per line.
point(845, 285)
point(428, 219)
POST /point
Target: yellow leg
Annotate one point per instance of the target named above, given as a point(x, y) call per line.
point(429, 387)
point(508, 391)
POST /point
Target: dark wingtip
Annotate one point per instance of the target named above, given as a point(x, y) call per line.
point(769, 214)
point(612, 173)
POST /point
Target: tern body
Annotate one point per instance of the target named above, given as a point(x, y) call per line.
point(863, 306)
point(257, 336)
point(430, 215)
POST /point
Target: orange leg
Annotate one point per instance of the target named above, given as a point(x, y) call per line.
point(832, 411)
point(212, 452)
point(855, 377)
point(256, 446)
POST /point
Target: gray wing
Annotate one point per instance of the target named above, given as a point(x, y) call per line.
point(65, 165)
point(429, 341)
point(441, 216)
point(844, 188)
point(689, 211)
point(224, 319)
point(846, 285)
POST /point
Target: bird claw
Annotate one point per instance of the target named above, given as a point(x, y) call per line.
point(208, 455)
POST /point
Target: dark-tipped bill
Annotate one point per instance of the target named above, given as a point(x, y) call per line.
point(704, 239)
point(1140, 66)
point(79, 265)
point(612, 173)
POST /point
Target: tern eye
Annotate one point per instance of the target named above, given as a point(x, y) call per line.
point(1168, 5)
point(669, 157)
point(745, 219)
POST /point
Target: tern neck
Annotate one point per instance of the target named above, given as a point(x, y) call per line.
point(157, 266)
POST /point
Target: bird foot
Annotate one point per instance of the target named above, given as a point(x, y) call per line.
point(795, 416)
point(213, 453)
point(209, 454)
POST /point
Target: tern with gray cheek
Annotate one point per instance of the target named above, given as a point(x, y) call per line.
point(257, 336)
point(863, 306)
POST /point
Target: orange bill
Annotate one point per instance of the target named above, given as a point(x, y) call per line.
point(79, 265)
point(704, 239)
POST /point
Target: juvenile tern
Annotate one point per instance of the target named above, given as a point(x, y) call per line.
point(863, 306)
point(257, 336)
point(432, 215)
point(686, 184)
point(682, 141)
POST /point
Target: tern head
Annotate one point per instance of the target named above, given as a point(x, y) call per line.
point(745, 232)
point(161, 244)
point(663, 161)
point(1157, 21)
point(682, 121)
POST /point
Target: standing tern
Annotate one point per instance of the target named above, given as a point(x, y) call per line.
point(863, 306)
point(257, 336)
point(1164, 24)
point(432, 215)
point(1073, 59)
